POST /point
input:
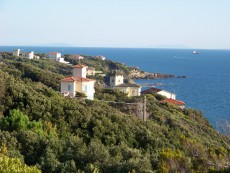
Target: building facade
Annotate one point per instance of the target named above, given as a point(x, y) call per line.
point(16, 52)
point(54, 55)
point(78, 83)
point(117, 82)
point(28, 55)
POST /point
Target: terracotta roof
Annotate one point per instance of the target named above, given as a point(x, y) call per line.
point(53, 53)
point(151, 90)
point(79, 66)
point(76, 78)
point(127, 85)
point(176, 102)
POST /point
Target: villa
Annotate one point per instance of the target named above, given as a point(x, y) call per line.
point(78, 83)
point(27, 55)
point(54, 55)
point(57, 57)
point(117, 82)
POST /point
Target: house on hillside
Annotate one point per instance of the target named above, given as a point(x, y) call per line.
point(117, 82)
point(78, 83)
point(16, 52)
point(54, 55)
point(167, 94)
point(27, 55)
point(57, 57)
point(61, 60)
point(78, 57)
point(178, 103)
point(100, 57)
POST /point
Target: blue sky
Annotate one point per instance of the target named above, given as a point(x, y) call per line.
point(117, 23)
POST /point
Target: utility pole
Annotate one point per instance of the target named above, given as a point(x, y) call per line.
point(144, 109)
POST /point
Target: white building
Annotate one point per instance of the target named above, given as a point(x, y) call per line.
point(167, 94)
point(16, 52)
point(130, 89)
point(28, 55)
point(80, 70)
point(116, 79)
point(54, 55)
point(61, 60)
point(78, 57)
point(78, 83)
point(100, 57)
point(36, 57)
point(117, 82)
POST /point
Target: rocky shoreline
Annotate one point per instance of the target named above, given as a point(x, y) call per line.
point(147, 75)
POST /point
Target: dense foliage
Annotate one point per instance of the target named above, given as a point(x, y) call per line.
point(40, 127)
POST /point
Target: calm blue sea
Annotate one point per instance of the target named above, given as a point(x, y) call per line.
point(207, 87)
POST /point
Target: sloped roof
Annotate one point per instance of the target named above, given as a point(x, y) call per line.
point(176, 102)
point(151, 90)
point(53, 53)
point(128, 85)
point(79, 66)
point(76, 78)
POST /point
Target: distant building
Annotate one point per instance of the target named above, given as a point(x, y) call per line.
point(36, 57)
point(100, 57)
point(90, 71)
point(178, 103)
point(61, 60)
point(130, 89)
point(78, 57)
point(167, 94)
point(54, 55)
point(78, 83)
point(117, 82)
point(16, 52)
point(28, 55)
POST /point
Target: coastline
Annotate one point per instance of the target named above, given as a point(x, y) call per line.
point(147, 75)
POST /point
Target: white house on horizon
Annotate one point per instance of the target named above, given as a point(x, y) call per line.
point(78, 83)
point(27, 55)
point(54, 55)
point(16, 52)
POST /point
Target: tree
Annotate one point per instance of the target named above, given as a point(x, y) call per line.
point(14, 165)
point(18, 121)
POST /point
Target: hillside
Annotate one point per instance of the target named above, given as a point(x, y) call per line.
point(41, 127)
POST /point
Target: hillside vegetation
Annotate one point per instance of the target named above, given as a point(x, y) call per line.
point(39, 127)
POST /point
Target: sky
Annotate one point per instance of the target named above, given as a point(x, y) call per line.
point(116, 23)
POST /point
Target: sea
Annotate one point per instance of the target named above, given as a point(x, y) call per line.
point(206, 88)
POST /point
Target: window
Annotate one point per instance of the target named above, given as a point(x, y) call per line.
point(69, 87)
point(84, 88)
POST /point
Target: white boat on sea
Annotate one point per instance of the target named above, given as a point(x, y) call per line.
point(195, 52)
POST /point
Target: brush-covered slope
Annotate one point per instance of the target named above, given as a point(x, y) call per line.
point(41, 127)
